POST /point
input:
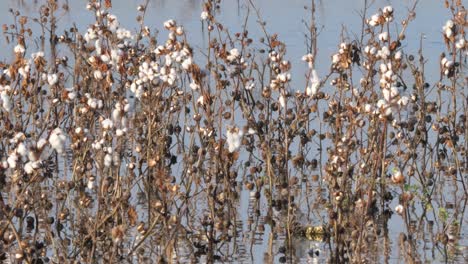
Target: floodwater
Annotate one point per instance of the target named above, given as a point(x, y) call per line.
point(256, 241)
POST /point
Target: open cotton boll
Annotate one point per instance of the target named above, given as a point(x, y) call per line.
point(108, 160)
point(21, 149)
point(314, 84)
point(6, 101)
point(30, 166)
point(57, 140)
point(233, 55)
point(187, 63)
point(107, 124)
point(234, 138)
point(12, 160)
point(204, 15)
point(282, 101)
point(41, 143)
point(52, 79)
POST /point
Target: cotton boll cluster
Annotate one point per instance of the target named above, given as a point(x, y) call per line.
point(388, 13)
point(382, 17)
point(119, 119)
point(234, 138)
point(123, 34)
point(371, 51)
point(137, 88)
point(234, 54)
point(383, 53)
point(274, 56)
point(91, 34)
point(25, 69)
point(168, 76)
point(342, 59)
point(93, 103)
point(390, 94)
point(112, 22)
point(387, 76)
point(148, 71)
point(57, 140)
point(447, 66)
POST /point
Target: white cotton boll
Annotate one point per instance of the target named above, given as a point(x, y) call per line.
point(126, 107)
point(90, 184)
point(443, 61)
point(449, 23)
point(71, 95)
point(335, 58)
point(105, 58)
point(389, 74)
point(12, 160)
point(57, 140)
point(387, 9)
point(52, 79)
point(116, 114)
point(448, 32)
point(314, 84)
point(234, 138)
point(22, 150)
point(97, 75)
point(383, 36)
point(19, 49)
point(367, 49)
point(201, 100)
point(180, 30)
point(119, 132)
point(399, 209)
point(187, 63)
point(169, 24)
point(41, 143)
point(461, 44)
point(282, 101)
point(92, 102)
point(30, 166)
point(249, 85)
point(368, 108)
point(386, 94)
point(394, 92)
point(107, 124)
point(204, 15)
point(6, 101)
point(108, 160)
point(398, 55)
point(233, 55)
point(97, 46)
point(194, 86)
point(403, 101)
point(383, 68)
point(384, 52)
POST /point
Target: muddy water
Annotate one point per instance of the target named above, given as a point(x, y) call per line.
point(256, 241)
